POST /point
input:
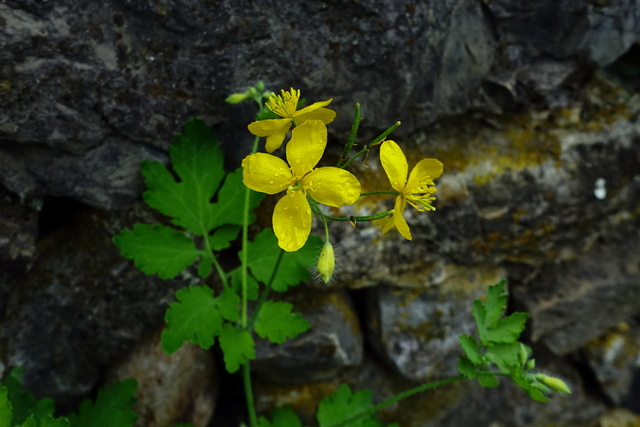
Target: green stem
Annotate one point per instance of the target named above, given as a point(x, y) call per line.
point(265, 292)
point(370, 193)
point(248, 391)
point(352, 136)
point(246, 369)
point(214, 260)
point(367, 147)
point(397, 398)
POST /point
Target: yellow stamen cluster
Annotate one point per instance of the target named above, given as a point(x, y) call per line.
point(284, 105)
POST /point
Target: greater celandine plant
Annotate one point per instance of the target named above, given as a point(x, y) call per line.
point(209, 209)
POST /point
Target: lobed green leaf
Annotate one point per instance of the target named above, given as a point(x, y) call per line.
point(23, 403)
point(263, 253)
point(238, 347)
point(343, 404)
point(282, 417)
point(198, 162)
point(197, 317)
point(276, 322)
point(471, 349)
point(112, 407)
point(157, 249)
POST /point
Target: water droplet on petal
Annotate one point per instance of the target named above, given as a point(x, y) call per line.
point(271, 181)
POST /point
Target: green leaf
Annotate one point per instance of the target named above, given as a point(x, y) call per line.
point(236, 282)
point(505, 356)
point(467, 367)
point(276, 322)
point(197, 317)
point(527, 384)
point(507, 329)
point(282, 417)
point(488, 381)
point(294, 267)
point(198, 162)
point(496, 303)
point(23, 402)
point(205, 265)
point(112, 407)
point(49, 421)
point(223, 236)
point(343, 404)
point(231, 202)
point(157, 249)
point(6, 410)
point(237, 346)
point(471, 349)
point(29, 422)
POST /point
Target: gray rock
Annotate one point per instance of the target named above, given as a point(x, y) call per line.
point(613, 358)
point(18, 232)
point(81, 307)
point(126, 74)
point(573, 302)
point(180, 387)
point(333, 343)
point(415, 326)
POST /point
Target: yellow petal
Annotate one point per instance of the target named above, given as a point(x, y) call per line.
point(332, 186)
point(325, 115)
point(313, 107)
point(266, 173)
point(269, 127)
point(292, 220)
point(387, 224)
point(306, 147)
point(395, 165)
point(422, 176)
point(398, 218)
point(275, 130)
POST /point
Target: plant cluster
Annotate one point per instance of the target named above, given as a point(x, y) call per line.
point(210, 209)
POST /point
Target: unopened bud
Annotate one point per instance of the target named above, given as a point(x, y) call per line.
point(555, 384)
point(236, 98)
point(326, 262)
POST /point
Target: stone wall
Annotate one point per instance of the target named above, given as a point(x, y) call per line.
point(532, 107)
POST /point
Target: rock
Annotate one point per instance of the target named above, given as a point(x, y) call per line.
point(458, 404)
point(573, 302)
point(178, 388)
point(141, 69)
point(333, 343)
point(81, 307)
point(415, 326)
point(613, 358)
point(18, 232)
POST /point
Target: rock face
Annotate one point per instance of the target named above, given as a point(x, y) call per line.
point(532, 107)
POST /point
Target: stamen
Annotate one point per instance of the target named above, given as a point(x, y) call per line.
point(284, 105)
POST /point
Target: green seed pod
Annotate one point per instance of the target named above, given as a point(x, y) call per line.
point(236, 98)
point(326, 262)
point(555, 384)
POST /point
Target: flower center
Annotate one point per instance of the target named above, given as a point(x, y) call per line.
point(284, 105)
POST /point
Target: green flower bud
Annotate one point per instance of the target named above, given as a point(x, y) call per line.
point(237, 98)
point(555, 384)
point(326, 262)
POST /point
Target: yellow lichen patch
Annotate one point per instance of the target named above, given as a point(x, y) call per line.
point(303, 398)
point(527, 238)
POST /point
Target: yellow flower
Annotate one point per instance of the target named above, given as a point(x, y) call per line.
point(285, 106)
point(417, 190)
point(327, 185)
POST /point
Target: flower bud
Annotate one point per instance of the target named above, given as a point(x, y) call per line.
point(555, 384)
point(326, 262)
point(236, 98)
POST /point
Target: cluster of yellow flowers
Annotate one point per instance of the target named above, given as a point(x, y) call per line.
point(332, 186)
